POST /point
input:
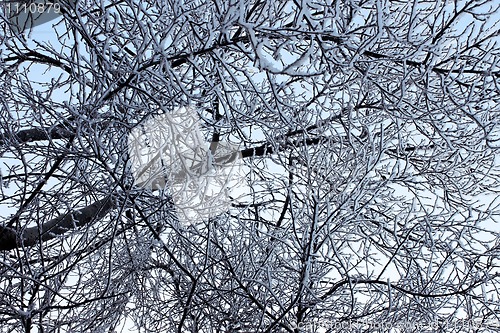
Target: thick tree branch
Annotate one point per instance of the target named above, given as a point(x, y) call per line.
point(11, 239)
point(37, 134)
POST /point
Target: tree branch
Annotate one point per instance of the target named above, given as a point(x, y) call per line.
point(11, 239)
point(37, 134)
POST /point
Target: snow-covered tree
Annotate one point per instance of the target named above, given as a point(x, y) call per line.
point(368, 132)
